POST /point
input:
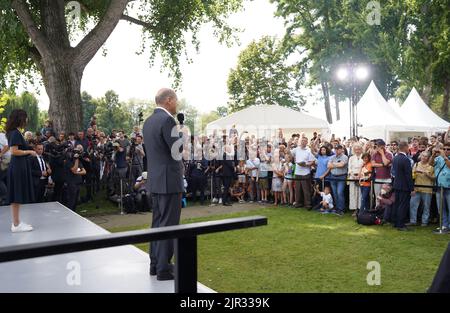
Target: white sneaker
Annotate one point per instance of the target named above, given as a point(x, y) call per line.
point(215, 200)
point(220, 201)
point(21, 228)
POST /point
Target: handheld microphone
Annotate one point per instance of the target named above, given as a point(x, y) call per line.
point(180, 118)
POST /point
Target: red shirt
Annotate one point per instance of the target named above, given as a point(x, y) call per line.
point(383, 172)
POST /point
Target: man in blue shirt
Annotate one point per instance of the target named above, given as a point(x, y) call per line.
point(441, 162)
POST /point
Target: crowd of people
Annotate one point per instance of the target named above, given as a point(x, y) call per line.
point(330, 176)
point(333, 176)
point(63, 164)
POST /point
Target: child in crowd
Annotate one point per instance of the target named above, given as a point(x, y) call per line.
point(263, 177)
point(288, 183)
point(238, 191)
point(277, 180)
point(365, 177)
point(386, 200)
point(326, 205)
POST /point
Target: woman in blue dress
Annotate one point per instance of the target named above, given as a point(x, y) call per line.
point(20, 181)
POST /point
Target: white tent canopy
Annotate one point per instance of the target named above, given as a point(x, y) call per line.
point(373, 110)
point(375, 115)
point(265, 120)
point(416, 112)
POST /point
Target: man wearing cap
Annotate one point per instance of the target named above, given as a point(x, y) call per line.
point(338, 166)
point(143, 198)
point(381, 162)
point(165, 177)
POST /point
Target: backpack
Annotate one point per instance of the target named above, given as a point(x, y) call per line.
point(368, 219)
point(129, 206)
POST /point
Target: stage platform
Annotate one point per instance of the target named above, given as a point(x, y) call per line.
point(120, 269)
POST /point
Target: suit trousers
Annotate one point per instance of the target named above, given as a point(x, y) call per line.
point(303, 191)
point(401, 207)
point(73, 192)
point(166, 212)
point(39, 190)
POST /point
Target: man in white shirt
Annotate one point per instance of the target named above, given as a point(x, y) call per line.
point(304, 159)
point(5, 158)
point(5, 154)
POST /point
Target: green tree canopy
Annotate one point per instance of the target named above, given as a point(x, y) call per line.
point(261, 77)
point(26, 101)
point(35, 36)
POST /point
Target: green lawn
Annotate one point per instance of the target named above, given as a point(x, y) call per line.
point(301, 251)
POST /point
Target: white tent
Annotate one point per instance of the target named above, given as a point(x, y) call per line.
point(416, 112)
point(265, 120)
point(378, 119)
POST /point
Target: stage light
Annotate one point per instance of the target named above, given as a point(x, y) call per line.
point(362, 73)
point(342, 74)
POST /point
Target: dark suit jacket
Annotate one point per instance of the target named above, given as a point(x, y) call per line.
point(165, 173)
point(35, 170)
point(403, 173)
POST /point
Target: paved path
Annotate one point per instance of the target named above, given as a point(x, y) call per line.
point(141, 219)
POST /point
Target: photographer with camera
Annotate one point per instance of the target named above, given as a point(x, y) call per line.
point(142, 197)
point(136, 155)
point(120, 166)
point(74, 173)
point(54, 155)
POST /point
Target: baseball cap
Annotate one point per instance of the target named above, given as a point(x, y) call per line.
point(339, 147)
point(380, 142)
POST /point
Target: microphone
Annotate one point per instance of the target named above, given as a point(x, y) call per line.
point(180, 118)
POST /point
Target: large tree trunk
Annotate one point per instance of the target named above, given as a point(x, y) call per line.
point(326, 97)
point(63, 84)
point(338, 111)
point(445, 103)
point(60, 64)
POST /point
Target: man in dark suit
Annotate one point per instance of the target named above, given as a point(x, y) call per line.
point(40, 170)
point(165, 177)
point(403, 186)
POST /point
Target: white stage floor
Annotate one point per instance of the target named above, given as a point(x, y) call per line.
point(122, 269)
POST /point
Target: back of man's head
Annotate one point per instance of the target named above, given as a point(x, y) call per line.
point(403, 146)
point(163, 95)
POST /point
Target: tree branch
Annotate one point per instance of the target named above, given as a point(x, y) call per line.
point(93, 41)
point(137, 22)
point(35, 34)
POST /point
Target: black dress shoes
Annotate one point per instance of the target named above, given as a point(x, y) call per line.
point(165, 276)
point(152, 270)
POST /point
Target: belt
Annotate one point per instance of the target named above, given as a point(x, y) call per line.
point(339, 175)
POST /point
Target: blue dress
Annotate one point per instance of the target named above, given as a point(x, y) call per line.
point(20, 180)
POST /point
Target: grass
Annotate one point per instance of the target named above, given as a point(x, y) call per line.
point(100, 205)
point(301, 251)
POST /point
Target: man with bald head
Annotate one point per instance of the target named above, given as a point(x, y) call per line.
point(165, 177)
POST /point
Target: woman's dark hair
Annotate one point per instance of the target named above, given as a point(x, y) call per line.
point(327, 150)
point(17, 119)
point(366, 155)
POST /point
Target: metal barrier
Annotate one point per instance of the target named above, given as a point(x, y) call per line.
point(435, 188)
point(185, 245)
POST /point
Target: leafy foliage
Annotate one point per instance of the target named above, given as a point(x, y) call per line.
point(262, 77)
point(25, 101)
